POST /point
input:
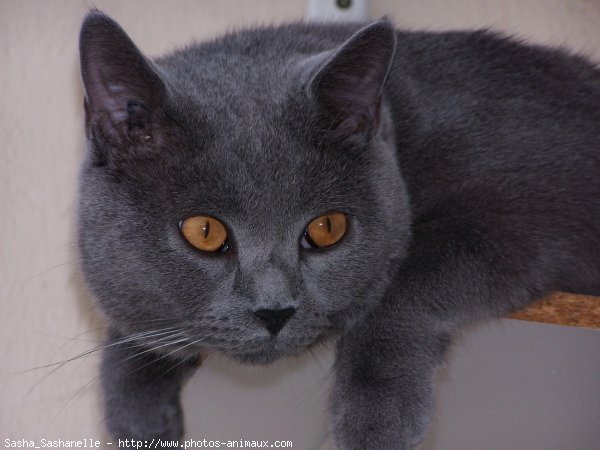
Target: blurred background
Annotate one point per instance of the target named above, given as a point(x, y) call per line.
point(45, 314)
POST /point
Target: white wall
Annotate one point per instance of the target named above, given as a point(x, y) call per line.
point(45, 314)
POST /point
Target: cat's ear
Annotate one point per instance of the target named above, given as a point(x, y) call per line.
point(348, 84)
point(123, 93)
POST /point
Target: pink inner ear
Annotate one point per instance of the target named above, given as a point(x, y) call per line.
point(349, 85)
point(352, 89)
point(360, 122)
point(102, 97)
point(118, 103)
point(122, 115)
point(353, 101)
point(124, 120)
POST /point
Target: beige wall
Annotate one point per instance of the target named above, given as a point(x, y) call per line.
point(46, 316)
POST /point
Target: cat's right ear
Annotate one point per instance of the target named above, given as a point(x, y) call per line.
point(123, 93)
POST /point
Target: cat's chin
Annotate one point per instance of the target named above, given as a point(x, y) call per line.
point(269, 355)
point(258, 359)
point(262, 358)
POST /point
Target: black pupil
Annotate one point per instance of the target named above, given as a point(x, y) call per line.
point(206, 229)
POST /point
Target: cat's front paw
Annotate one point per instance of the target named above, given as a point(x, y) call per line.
point(141, 392)
point(376, 414)
point(144, 420)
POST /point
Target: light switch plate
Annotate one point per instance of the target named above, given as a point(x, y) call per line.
point(337, 10)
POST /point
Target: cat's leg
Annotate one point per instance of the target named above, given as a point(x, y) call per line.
point(141, 391)
point(382, 397)
point(386, 361)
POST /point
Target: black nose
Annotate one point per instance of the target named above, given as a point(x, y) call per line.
point(274, 319)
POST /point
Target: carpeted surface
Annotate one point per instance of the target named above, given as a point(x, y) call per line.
point(563, 309)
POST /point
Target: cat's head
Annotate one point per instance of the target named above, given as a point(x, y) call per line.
point(240, 195)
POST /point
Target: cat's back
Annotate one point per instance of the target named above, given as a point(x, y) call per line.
point(478, 112)
point(502, 139)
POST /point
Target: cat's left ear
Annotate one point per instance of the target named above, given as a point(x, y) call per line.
point(348, 85)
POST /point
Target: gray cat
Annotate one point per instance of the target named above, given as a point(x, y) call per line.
point(256, 194)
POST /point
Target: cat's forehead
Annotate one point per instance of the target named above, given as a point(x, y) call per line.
point(258, 168)
point(248, 65)
point(232, 80)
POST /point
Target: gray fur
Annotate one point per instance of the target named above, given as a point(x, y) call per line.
point(470, 175)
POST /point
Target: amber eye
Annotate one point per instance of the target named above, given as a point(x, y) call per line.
point(325, 230)
point(204, 233)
